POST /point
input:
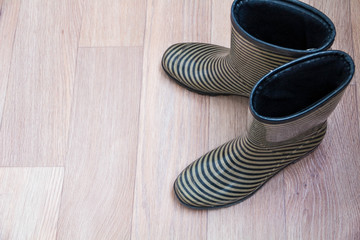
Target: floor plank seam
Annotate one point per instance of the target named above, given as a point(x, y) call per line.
point(81, 6)
point(140, 113)
point(284, 205)
point(60, 205)
point(357, 109)
point(115, 47)
point(138, 141)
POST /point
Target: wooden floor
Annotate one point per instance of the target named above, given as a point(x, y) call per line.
point(93, 133)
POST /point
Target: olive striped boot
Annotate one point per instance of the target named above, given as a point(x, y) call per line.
point(264, 35)
point(288, 112)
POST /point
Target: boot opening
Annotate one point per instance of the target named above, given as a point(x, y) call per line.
point(284, 24)
point(301, 86)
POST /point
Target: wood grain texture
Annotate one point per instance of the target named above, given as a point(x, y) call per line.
point(355, 33)
point(29, 202)
point(221, 22)
point(173, 125)
point(355, 20)
point(100, 165)
point(322, 190)
point(113, 23)
point(115, 130)
point(9, 12)
point(37, 107)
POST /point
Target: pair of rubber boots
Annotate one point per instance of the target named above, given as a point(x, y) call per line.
point(277, 59)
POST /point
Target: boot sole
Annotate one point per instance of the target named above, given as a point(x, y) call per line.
point(248, 196)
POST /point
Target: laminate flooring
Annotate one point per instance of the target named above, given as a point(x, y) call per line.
point(93, 132)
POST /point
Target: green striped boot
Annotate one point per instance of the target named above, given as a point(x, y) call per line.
point(288, 112)
point(264, 35)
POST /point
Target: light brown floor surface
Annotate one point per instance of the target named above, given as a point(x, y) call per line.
point(93, 133)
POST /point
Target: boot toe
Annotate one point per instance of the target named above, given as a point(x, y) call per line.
point(189, 65)
point(193, 193)
point(171, 57)
point(184, 189)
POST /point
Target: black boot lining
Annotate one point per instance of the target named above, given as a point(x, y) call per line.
point(283, 24)
point(301, 86)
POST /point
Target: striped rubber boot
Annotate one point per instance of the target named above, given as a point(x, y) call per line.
point(288, 109)
point(264, 35)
